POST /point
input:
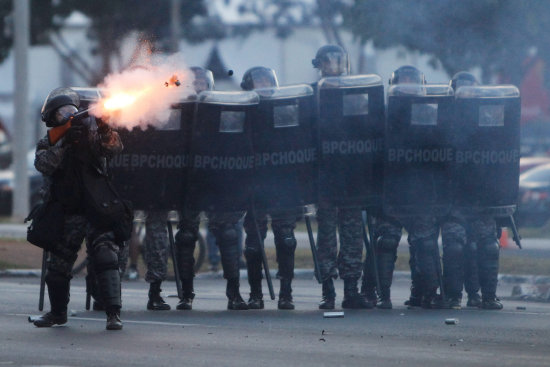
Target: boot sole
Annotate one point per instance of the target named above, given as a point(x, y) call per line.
point(113, 327)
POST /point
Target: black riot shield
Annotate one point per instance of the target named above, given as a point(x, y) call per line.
point(284, 148)
point(487, 139)
point(351, 140)
point(151, 170)
point(222, 161)
point(419, 154)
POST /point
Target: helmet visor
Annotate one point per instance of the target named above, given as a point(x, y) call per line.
point(264, 78)
point(334, 64)
point(63, 113)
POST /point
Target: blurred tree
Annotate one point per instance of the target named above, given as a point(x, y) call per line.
point(495, 35)
point(43, 20)
point(111, 22)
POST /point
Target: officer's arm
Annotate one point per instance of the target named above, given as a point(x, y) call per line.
point(48, 158)
point(108, 140)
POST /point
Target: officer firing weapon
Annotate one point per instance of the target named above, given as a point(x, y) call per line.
point(262, 250)
point(56, 133)
point(316, 268)
point(174, 259)
point(371, 250)
point(42, 281)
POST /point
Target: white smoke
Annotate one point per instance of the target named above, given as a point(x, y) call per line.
point(151, 84)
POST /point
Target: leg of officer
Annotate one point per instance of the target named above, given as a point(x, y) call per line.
point(156, 258)
point(185, 240)
point(253, 255)
point(471, 276)
point(283, 225)
point(327, 252)
point(388, 232)
point(224, 226)
point(485, 232)
point(58, 275)
point(423, 234)
point(104, 256)
point(350, 225)
point(453, 236)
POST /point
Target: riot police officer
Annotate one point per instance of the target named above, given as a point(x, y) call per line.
point(481, 247)
point(283, 223)
point(224, 226)
point(332, 60)
point(66, 166)
point(156, 258)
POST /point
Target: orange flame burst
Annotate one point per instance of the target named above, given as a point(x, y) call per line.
point(122, 100)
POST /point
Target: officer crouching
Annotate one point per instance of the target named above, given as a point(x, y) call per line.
point(73, 159)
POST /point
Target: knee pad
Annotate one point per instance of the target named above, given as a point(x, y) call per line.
point(387, 244)
point(251, 253)
point(185, 238)
point(489, 249)
point(453, 250)
point(228, 233)
point(105, 258)
point(286, 240)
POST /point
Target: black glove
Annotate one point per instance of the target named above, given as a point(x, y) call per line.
point(102, 127)
point(74, 134)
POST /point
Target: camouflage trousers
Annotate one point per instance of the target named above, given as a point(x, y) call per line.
point(454, 239)
point(224, 227)
point(483, 234)
point(156, 246)
point(347, 262)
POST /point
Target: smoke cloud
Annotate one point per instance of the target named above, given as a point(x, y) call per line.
point(143, 94)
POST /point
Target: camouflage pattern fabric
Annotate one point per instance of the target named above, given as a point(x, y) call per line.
point(347, 261)
point(156, 247)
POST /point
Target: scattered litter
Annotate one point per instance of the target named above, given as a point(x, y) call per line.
point(322, 340)
point(521, 308)
point(72, 313)
point(330, 315)
point(461, 340)
point(401, 314)
point(451, 321)
point(323, 332)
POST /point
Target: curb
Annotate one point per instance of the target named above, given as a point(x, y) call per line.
point(306, 274)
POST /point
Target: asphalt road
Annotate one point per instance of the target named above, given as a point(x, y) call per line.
point(212, 336)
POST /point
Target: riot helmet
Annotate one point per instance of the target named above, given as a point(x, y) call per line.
point(59, 106)
point(331, 60)
point(407, 75)
point(259, 77)
point(463, 79)
point(204, 79)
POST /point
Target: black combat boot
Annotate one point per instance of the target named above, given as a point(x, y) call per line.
point(352, 298)
point(491, 303)
point(368, 287)
point(186, 302)
point(113, 320)
point(285, 295)
point(234, 299)
point(58, 292)
point(384, 302)
point(329, 295)
point(474, 300)
point(156, 303)
point(386, 264)
point(254, 268)
point(429, 299)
